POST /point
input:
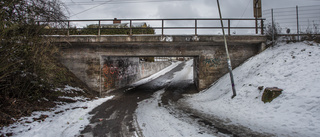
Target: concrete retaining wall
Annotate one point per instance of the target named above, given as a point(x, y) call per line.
point(107, 72)
point(118, 72)
point(149, 68)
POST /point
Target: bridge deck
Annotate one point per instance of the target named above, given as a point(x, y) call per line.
point(213, 39)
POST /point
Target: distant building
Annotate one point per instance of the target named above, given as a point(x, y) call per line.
point(117, 24)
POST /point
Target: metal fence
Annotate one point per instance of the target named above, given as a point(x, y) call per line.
point(295, 21)
point(192, 26)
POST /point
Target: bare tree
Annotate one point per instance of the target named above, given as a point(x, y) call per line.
point(23, 51)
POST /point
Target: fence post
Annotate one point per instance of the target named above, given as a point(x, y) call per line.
point(298, 30)
point(272, 26)
point(229, 29)
point(130, 28)
point(257, 25)
point(262, 27)
point(196, 26)
point(68, 33)
point(99, 31)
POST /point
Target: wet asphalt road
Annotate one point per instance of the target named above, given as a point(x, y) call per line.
point(115, 118)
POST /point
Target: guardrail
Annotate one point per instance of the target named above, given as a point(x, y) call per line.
point(196, 27)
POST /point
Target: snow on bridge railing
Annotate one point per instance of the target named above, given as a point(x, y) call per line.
point(194, 26)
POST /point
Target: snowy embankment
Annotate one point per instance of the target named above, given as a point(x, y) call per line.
point(65, 120)
point(295, 68)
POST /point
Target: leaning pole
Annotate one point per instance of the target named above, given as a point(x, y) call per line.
point(228, 57)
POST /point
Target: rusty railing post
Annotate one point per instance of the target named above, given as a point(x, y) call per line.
point(196, 27)
point(229, 29)
point(162, 27)
point(130, 33)
point(298, 27)
point(99, 30)
point(68, 32)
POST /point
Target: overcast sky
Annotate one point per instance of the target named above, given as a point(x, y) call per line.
point(132, 9)
point(108, 9)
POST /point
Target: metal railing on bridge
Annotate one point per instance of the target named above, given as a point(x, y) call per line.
point(96, 27)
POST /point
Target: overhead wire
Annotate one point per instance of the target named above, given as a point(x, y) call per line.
point(117, 2)
point(90, 8)
point(244, 11)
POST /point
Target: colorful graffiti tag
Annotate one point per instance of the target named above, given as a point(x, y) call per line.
point(212, 62)
point(119, 72)
point(110, 74)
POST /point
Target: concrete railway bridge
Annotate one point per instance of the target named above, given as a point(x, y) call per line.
point(106, 62)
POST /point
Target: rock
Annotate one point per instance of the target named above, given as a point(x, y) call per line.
point(271, 93)
point(9, 134)
point(261, 87)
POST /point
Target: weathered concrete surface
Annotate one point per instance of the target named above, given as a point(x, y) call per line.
point(208, 51)
point(149, 68)
point(108, 72)
point(215, 39)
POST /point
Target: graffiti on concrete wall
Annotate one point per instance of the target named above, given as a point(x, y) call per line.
point(211, 61)
point(110, 74)
point(119, 71)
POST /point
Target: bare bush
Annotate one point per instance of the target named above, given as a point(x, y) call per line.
point(23, 51)
point(273, 31)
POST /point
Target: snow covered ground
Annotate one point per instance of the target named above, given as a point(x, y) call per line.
point(293, 67)
point(157, 121)
point(63, 121)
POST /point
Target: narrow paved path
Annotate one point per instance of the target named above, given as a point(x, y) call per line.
point(114, 118)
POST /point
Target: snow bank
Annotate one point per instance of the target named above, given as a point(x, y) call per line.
point(63, 121)
point(295, 68)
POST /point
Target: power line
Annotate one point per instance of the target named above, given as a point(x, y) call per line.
point(116, 2)
point(90, 8)
point(244, 11)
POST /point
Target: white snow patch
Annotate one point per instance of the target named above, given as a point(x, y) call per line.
point(155, 121)
point(69, 89)
point(291, 67)
point(67, 123)
point(186, 73)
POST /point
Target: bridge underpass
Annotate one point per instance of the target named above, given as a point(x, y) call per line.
point(120, 71)
point(83, 55)
point(87, 56)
